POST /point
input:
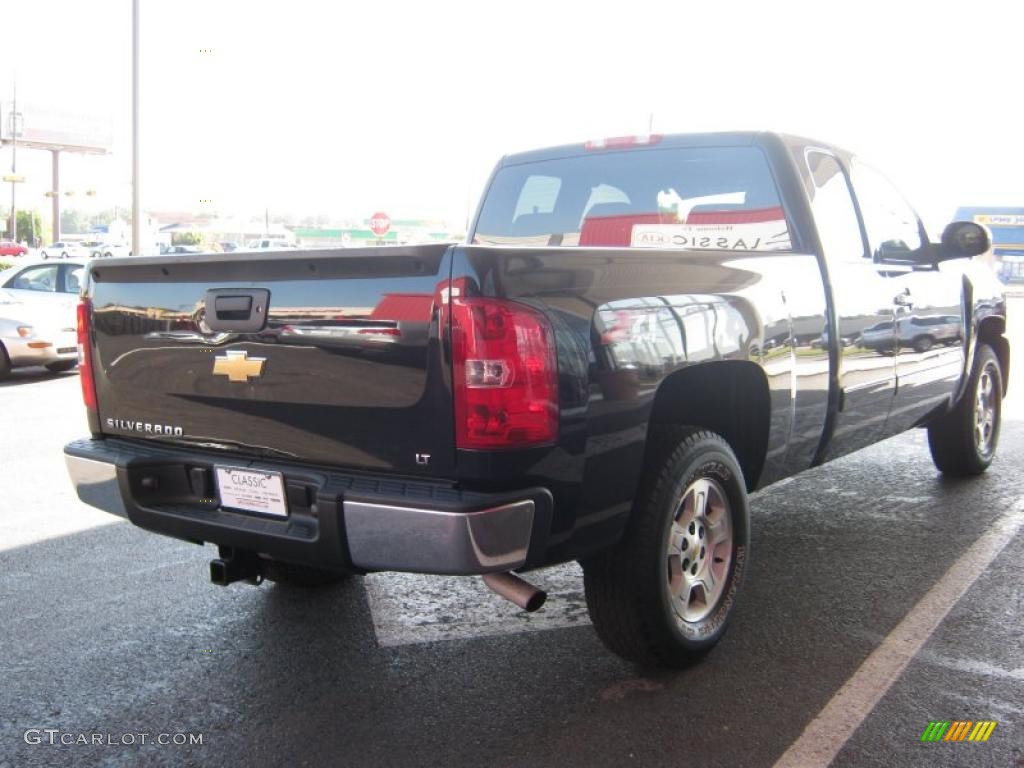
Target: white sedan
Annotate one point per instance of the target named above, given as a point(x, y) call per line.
point(62, 249)
point(108, 250)
point(44, 283)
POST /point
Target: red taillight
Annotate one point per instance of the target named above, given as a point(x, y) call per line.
point(85, 356)
point(505, 375)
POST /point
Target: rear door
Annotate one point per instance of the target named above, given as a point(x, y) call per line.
point(346, 370)
point(864, 323)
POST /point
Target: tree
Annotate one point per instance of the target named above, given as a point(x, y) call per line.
point(74, 221)
point(186, 238)
point(30, 228)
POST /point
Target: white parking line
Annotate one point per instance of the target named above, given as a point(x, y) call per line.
point(835, 724)
point(409, 608)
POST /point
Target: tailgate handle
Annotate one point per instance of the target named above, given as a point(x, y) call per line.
point(241, 310)
point(233, 307)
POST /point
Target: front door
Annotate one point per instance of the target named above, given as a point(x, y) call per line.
point(927, 302)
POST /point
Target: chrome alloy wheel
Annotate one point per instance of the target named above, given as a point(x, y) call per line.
point(699, 550)
point(985, 410)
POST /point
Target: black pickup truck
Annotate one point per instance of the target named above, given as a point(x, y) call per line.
point(636, 334)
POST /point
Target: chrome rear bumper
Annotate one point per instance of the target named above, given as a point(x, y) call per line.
point(388, 538)
point(484, 534)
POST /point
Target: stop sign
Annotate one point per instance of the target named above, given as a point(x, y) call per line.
point(380, 223)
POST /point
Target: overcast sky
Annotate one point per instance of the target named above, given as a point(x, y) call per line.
point(347, 108)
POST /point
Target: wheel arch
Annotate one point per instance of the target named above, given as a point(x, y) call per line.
point(991, 331)
point(729, 397)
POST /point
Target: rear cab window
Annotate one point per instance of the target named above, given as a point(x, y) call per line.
point(673, 197)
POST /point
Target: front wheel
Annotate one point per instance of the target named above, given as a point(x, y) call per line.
point(665, 594)
point(923, 343)
point(963, 441)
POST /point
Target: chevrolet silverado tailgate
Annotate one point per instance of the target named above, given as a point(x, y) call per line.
point(326, 356)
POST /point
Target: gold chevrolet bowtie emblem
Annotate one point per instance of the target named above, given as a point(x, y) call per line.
point(238, 366)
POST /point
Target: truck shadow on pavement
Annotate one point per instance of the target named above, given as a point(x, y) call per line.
point(116, 631)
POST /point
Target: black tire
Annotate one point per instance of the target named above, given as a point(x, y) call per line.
point(64, 255)
point(959, 447)
point(62, 366)
point(302, 576)
point(923, 343)
point(628, 586)
point(44, 255)
point(5, 363)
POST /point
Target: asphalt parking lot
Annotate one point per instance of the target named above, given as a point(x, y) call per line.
point(107, 630)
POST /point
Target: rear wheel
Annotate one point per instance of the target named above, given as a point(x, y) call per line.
point(963, 441)
point(664, 595)
point(300, 575)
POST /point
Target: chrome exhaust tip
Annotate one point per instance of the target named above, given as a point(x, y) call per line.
point(516, 590)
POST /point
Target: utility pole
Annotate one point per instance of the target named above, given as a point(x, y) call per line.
point(14, 162)
point(136, 191)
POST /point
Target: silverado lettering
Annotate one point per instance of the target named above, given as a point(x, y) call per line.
point(635, 335)
point(145, 427)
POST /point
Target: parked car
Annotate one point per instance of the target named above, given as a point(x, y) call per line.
point(47, 287)
point(179, 249)
point(63, 249)
point(268, 244)
point(109, 250)
point(918, 332)
point(35, 335)
point(9, 248)
point(581, 381)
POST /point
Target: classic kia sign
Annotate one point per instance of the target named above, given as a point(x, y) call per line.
point(380, 223)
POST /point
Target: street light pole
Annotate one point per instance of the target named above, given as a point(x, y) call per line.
point(14, 163)
point(136, 192)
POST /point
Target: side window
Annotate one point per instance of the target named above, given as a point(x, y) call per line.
point(72, 279)
point(834, 213)
point(43, 278)
point(892, 226)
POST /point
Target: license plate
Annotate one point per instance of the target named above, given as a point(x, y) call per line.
point(252, 491)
